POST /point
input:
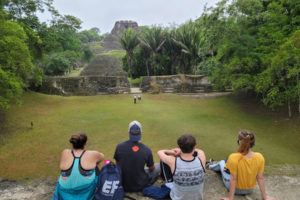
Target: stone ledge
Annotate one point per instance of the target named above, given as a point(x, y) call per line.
point(279, 186)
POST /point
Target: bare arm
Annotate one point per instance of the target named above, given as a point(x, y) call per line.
point(202, 156)
point(63, 156)
point(164, 156)
point(261, 183)
point(99, 157)
point(232, 185)
point(152, 168)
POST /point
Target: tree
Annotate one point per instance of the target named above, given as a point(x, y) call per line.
point(188, 37)
point(153, 39)
point(172, 50)
point(15, 62)
point(129, 42)
point(96, 30)
point(279, 83)
point(58, 63)
point(89, 36)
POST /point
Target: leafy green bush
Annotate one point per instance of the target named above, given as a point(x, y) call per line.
point(56, 64)
point(15, 62)
point(59, 63)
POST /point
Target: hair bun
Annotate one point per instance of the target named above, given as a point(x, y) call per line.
point(78, 140)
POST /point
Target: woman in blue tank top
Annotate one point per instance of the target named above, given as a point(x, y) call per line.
point(78, 177)
point(186, 163)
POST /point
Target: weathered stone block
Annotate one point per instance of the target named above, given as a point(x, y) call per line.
point(177, 83)
point(90, 85)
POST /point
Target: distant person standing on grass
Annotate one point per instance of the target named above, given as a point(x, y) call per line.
point(242, 169)
point(187, 165)
point(78, 171)
point(134, 99)
point(132, 156)
point(139, 97)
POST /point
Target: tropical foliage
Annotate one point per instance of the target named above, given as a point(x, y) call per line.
point(31, 49)
point(246, 45)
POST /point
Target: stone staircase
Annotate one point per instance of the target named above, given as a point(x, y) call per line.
point(104, 65)
point(199, 89)
point(169, 90)
point(135, 91)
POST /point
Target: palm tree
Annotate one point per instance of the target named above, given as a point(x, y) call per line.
point(153, 39)
point(129, 42)
point(172, 49)
point(188, 37)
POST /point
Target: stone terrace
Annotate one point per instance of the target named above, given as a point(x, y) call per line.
point(281, 187)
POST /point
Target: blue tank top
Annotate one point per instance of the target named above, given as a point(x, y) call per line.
point(76, 179)
point(188, 180)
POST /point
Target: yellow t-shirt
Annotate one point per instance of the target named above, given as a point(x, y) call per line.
point(246, 169)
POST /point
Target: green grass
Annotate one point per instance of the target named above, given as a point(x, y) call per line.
point(115, 53)
point(136, 80)
point(75, 72)
point(32, 153)
point(95, 45)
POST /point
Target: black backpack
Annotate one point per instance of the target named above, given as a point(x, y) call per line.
point(109, 186)
point(165, 172)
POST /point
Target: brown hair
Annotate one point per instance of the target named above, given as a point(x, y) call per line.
point(186, 143)
point(78, 140)
point(246, 140)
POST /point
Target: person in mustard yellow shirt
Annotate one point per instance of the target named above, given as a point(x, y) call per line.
point(242, 169)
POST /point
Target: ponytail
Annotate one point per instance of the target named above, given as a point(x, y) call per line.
point(246, 141)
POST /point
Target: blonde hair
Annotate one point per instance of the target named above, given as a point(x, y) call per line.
point(246, 140)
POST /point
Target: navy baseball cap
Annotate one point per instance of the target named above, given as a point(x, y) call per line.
point(135, 131)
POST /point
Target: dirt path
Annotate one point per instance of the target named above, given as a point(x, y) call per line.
point(280, 186)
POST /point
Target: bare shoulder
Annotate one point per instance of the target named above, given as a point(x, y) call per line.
point(200, 153)
point(65, 152)
point(91, 152)
point(95, 154)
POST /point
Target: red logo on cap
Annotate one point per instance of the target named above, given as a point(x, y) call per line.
point(135, 148)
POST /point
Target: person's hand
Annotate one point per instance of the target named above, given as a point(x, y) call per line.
point(224, 198)
point(269, 198)
point(176, 152)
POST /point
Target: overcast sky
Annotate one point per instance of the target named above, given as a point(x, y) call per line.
point(104, 14)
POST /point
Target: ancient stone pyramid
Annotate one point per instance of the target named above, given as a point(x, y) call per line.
point(107, 65)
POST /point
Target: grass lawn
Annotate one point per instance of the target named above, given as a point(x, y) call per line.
point(34, 153)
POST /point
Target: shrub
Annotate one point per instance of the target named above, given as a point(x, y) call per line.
point(156, 88)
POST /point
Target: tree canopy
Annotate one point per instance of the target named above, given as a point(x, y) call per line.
point(31, 49)
point(245, 45)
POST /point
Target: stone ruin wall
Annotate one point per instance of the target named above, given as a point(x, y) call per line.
point(84, 85)
point(120, 26)
point(197, 83)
